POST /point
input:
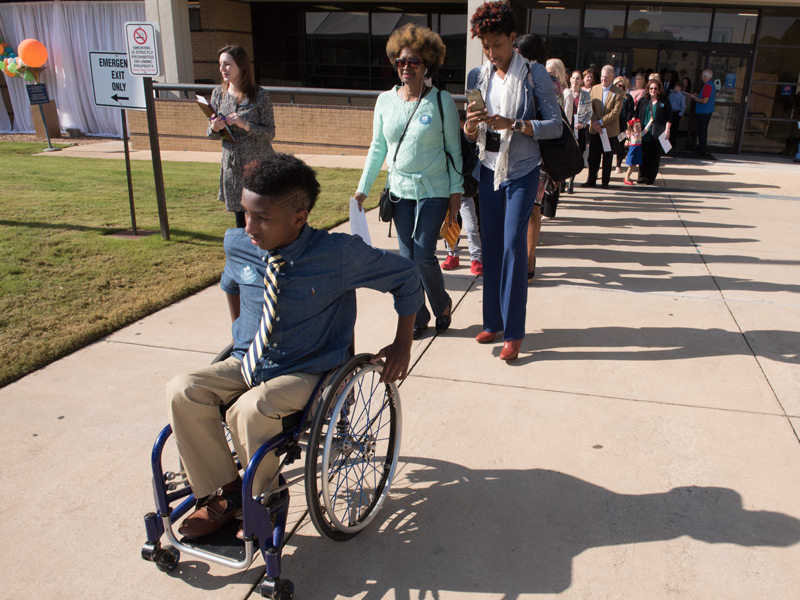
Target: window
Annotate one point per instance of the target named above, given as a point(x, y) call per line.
point(669, 23)
point(773, 107)
point(559, 23)
point(194, 16)
point(778, 27)
point(734, 26)
point(604, 21)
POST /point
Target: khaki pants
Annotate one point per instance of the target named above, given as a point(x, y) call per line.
point(194, 400)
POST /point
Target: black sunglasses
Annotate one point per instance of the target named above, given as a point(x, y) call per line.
point(414, 63)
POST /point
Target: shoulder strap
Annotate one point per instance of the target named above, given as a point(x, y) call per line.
point(444, 144)
point(411, 116)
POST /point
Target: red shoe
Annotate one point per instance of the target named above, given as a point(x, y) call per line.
point(477, 268)
point(450, 263)
point(627, 181)
point(485, 337)
point(510, 350)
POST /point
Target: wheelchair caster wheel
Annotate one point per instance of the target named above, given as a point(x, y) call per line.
point(166, 559)
point(277, 589)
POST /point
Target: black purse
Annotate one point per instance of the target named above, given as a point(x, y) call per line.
point(561, 157)
point(386, 202)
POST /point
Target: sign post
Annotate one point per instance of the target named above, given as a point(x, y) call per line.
point(37, 94)
point(144, 60)
point(114, 86)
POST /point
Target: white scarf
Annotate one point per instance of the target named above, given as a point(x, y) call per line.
point(509, 106)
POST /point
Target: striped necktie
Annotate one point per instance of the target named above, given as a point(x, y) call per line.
point(256, 349)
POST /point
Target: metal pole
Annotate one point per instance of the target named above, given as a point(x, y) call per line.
point(155, 151)
point(50, 147)
point(128, 169)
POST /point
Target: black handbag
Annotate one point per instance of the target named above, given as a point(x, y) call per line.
point(386, 202)
point(469, 157)
point(552, 192)
point(385, 206)
point(561, 157)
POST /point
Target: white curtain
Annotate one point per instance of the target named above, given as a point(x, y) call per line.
point(69, 31)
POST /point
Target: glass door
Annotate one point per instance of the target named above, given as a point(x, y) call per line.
point(597, 59)
point(730, 75)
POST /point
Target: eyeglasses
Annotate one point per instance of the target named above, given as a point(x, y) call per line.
point(414, 63)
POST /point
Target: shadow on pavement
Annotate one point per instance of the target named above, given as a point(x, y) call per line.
point(512, 532)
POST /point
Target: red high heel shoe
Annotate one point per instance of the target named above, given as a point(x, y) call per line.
point(485, 337)
point(510, 350)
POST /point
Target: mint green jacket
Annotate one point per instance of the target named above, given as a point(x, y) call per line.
point(422, 169)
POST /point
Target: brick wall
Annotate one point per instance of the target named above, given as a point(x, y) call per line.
point(300, 128)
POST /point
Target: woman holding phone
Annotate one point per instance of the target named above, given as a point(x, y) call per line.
point(507, 134)
point(247, 111)
point(409, 130)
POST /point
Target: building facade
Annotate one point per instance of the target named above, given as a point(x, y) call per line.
point(753, 48)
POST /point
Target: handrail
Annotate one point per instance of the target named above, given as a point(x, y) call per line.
point(292, 91)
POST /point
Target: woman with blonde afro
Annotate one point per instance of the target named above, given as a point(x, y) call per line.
point(415, 127)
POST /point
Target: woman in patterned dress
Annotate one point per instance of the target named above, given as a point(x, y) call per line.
point(247, 112)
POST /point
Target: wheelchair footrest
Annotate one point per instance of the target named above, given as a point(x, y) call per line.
point(223, 542)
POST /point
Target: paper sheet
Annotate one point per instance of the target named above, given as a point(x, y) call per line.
point(665, 142)
point(358, 222)
point(604, 139)
point(622, 135)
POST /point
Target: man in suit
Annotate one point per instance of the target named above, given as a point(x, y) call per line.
point(606, 108)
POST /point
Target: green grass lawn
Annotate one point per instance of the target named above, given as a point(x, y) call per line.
point(64, 282)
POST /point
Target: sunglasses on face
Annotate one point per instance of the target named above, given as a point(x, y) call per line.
point(401, 63)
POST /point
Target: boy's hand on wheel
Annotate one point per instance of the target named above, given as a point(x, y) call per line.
point(397, 357)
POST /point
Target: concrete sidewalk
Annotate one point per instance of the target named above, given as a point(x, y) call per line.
point(643, 446)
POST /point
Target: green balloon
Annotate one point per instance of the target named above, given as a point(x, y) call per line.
point(28, 76)
point(12, 67)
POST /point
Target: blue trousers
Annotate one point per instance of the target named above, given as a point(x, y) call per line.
point(419, 245)
point(504, 225)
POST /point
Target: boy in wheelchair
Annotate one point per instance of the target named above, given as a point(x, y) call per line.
point(291, 294)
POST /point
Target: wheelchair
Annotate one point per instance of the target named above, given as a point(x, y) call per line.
point(350, 430)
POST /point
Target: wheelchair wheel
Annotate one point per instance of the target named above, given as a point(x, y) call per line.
point(352, 450)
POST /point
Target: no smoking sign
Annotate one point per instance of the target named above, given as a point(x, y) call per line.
point(143, 55)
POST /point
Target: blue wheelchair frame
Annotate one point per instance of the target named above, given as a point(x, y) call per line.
point(260, 513)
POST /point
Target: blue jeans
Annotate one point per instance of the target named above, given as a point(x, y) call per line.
point(420, 246)
point(504, 226)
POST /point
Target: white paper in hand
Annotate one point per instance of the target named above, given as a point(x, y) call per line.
point(358, 222)
point(604, 139)
point(665, 142)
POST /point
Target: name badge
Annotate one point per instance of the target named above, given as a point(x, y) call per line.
point(248, 274)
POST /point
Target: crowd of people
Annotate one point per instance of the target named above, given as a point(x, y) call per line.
point(290, 288)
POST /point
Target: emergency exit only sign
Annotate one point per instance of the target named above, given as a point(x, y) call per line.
point(112, 83)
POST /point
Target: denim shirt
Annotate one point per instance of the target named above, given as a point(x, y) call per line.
point(316, 308)
point(524, 154)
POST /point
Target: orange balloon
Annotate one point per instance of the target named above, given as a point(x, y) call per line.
point(32, 52)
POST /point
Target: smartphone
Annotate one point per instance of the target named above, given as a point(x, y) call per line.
point(475, 96)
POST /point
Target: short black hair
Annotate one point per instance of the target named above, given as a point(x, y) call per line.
point(532, 47)
point(281, 174)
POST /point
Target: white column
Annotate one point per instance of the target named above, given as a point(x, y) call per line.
point(172, 17)
point(474, 52)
